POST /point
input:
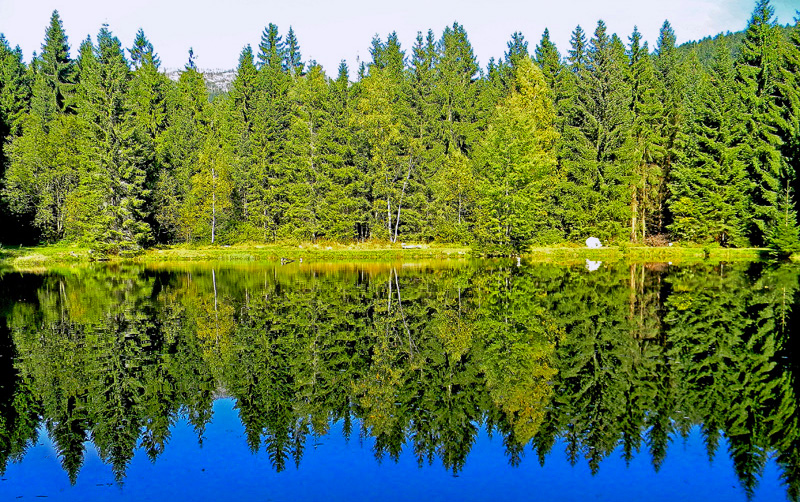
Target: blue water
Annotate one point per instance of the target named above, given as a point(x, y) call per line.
point(225, 469)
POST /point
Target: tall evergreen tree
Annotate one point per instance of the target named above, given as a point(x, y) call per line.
point(142, 52)
point(294, 61)
point(598, 146)
point(14, 101)
point(456, 73)
point(382, 117)
point(759, 77)
point(147, 97)
point(267, 195)
point(709, 187)
point(669, 71)
point(308, 152)
point(54, 86)
point(243, 102)
point(549, 60)
point(188, 119)
point(116, 177)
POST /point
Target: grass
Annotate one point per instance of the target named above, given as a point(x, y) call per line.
point(675, 254)
point(26, 258)
point(45, 257)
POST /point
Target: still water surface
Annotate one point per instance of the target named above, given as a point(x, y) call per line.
point(472, 381)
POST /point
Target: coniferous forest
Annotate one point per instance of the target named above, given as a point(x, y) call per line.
point(608, 137)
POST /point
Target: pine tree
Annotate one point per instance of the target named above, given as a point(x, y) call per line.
point(759, 76)
point(54, 86)
point(709, 186)
point(515, 166)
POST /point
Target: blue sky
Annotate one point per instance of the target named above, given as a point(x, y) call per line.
point(330, 31)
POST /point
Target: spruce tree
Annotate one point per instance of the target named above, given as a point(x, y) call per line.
point(709, 184)
point(14, 101)
point(598, 149)
point(267, 194)
point(345, 213)
point(142, 52)
point(294, 61)
point(308, 150)
point(116, 177)
point(456, 73)
point(549, 60)
point(147, 98)
point(243, 103)
point(54, 86)
point(670, 73)
point(759, 77)
point(382, 117)
point(427, 124)
point(189, 114)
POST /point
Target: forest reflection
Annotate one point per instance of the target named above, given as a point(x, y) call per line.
point(624, 358)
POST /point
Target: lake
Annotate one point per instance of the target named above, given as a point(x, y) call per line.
point(470, 380)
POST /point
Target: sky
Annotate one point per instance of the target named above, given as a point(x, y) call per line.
point(330, 31)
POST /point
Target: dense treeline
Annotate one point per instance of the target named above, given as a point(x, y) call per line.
point(611, 138)
point(622, 361)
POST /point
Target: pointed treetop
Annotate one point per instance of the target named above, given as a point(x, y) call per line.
point(666, 40)
point(548, 58)
point(344, 73)
point(142, 53)
point(517, 49)
point(55, 39)
point(190, 64)
point(294, 61)
point(577, 51)
point(271, 49)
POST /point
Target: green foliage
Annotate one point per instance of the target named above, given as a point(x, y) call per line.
point(651, 146)
point(710, 186)
point(597, 155)
point(516, 166)
point(623, 361)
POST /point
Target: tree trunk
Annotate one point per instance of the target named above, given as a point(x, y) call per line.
point(213, 204)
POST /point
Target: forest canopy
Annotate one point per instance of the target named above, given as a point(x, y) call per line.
point(609, 138)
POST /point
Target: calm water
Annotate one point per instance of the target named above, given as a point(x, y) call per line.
point(471, 381)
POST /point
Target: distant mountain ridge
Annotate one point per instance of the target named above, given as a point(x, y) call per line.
point(218, 81)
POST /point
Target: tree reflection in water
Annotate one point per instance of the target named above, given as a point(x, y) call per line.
point(417, 358)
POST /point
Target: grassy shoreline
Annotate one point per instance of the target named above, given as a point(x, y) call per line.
point(43, 257)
